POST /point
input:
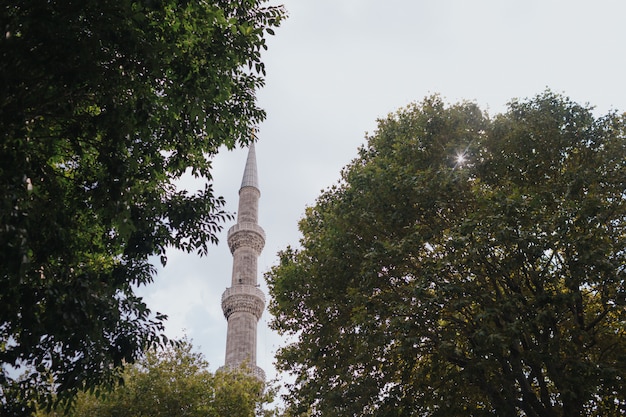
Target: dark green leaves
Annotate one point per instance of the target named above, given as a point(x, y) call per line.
point(104, 105)
point(429, 287)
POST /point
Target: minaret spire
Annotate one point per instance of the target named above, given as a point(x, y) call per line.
point(250, 174)
point(244, 302)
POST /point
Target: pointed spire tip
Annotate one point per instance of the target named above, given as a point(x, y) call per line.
point(250, 175)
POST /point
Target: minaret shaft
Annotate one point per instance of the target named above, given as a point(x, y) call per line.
point(242, 337)
point(248, 205)
point(243, 303)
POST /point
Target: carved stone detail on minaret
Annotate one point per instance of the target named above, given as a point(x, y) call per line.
point(243, 298)
point(248, 235)
point(255, 371)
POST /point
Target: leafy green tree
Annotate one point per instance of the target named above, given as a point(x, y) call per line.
point(175, 382)
point(464, 265)
point(103, 106)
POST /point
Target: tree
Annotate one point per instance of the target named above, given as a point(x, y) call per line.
point(103, 106)
point(464, 265)
point(175, 382)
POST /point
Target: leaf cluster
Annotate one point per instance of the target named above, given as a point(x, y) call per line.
point(492, 284)
point(103, 106)
point(175, 382)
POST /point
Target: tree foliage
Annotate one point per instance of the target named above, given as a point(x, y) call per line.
point(175, 382)
point(464, 265)
point(103, 106)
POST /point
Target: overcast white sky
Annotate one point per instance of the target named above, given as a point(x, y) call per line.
point(335, 66)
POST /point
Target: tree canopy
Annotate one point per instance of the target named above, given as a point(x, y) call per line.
point(103, 106)
point(464, 265)
point(175, 382)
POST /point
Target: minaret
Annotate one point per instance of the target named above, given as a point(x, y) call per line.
point(243, 302)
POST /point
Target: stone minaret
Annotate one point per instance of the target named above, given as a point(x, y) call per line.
point(243, 302)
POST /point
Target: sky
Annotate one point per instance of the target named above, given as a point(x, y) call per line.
point(335, 67)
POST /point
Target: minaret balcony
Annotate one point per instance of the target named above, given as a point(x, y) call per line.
point(246, 234)
point(254, 371)
point(243, 298)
